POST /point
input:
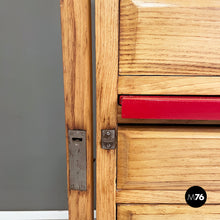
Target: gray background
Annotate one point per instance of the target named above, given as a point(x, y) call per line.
point(32, 124)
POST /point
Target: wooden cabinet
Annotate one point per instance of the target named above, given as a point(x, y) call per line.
point(150, 48)
point(144, 48)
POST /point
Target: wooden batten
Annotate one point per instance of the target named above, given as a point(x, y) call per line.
point(77, 75)
point(107, 14)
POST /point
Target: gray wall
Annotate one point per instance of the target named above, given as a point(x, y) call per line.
point(32, 129)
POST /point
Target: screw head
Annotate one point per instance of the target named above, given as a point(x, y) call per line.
point(107, 134)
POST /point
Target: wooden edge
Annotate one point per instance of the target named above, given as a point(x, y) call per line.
point(168, 131)
point(77, 75)
point(160, 121)
point(165, 211)
point(160, 196)
point(106, 16)
point(168, 85)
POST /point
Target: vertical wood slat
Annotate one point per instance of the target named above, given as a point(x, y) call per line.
point(77, 74)
point(107, 14)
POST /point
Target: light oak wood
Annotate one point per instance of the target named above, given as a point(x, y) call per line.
point(167, 212)
point(160, 196)
point(164, 157)
point(168, 85)
point(107, 13)
point(77, 75)
point(160, 44)
point(169, 37)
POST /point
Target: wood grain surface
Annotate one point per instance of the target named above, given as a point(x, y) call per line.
point(107, 13)
point(168, 85)
point(164, 157)
point(169, 37)
point(168, 212)
point(77, 75)
point(160, 196)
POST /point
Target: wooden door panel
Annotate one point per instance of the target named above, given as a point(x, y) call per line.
point(77, 76)
point(169, 37)
point(164, 47)
point(163, 157)
point(167, 212)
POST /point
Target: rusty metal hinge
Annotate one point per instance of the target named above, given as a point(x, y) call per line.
point(108, 139)
point(77, 160)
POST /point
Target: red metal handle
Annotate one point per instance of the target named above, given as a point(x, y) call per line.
point(170, 107)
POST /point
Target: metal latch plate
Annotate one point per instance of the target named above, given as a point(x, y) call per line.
point(108, 139)
point(77, 160)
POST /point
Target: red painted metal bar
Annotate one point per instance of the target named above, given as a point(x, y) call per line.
point(170, 107)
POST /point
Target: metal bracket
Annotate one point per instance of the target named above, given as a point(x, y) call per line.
point(77, 160)
point(108, 139)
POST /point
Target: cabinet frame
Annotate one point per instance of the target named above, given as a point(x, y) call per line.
point(77, 76)
point(107, 27)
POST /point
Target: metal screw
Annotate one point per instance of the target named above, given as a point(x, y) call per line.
point(108, 145)
point(107, 134)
